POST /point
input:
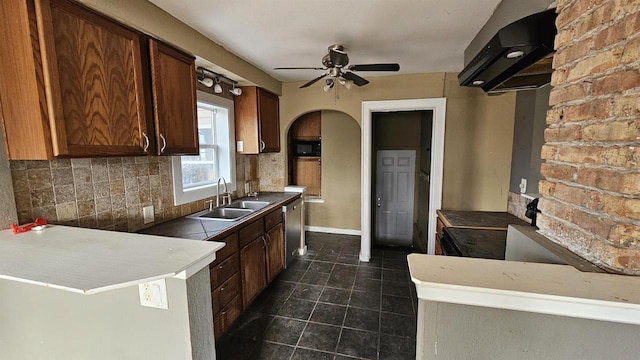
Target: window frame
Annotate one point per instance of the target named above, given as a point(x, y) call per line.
point(224, 150)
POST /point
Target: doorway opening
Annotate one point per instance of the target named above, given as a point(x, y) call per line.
point(436, 108)
point(402, 164)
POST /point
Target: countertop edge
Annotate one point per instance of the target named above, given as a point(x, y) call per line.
point(438, 288)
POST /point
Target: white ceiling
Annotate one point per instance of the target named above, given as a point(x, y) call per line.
point(421, 35)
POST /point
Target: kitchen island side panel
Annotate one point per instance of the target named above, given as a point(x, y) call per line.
point(45, 323)
point(452, 332)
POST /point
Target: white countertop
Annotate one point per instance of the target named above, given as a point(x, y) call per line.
point(89, 261)
point(541, 288)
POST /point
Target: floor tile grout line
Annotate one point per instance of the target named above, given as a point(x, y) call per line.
point(344, 319)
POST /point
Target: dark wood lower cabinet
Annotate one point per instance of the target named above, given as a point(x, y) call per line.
point(275, 252)
point(252, 259)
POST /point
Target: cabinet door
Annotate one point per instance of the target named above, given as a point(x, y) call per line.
point(252, 260)
point(174, 95)
point(307, 127)
point(306, 172)
point(93, 82)
point(269, 118)
point(275, 252)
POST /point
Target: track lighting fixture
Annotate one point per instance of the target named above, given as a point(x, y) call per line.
point(235, 91)
point(217, 88)
point(209, 79)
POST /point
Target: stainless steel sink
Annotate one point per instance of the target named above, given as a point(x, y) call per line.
point(222, 213)
point(247, 204)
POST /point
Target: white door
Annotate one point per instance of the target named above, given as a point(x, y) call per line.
point(395, 181)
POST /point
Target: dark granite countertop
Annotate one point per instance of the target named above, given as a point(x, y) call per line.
point(477, 243)
point(490, 220)
point(196, 229)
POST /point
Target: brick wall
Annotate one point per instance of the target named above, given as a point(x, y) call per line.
point(591, 185)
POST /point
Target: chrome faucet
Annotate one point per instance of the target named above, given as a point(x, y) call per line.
point(226, 196)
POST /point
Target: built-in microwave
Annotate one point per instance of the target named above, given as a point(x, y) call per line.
point(306, 148)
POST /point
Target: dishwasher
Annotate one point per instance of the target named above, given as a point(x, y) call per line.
point(293, 230)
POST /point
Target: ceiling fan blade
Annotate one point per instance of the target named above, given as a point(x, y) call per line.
point(338, 57)
point(299, 68)
point(355, 78)
point(313, 81)
point(375, 67)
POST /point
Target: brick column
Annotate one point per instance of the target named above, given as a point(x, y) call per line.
point(591, 185)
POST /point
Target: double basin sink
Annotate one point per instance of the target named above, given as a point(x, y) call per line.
point(232, 212)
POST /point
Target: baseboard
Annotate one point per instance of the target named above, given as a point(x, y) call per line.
point(332, 230)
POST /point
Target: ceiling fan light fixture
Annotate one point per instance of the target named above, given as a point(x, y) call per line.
point(346, 83)
point(328, 85)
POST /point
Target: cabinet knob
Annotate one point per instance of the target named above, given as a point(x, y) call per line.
point(222, 288)
point(146, 142)
point(220, 266)
point(164, 143)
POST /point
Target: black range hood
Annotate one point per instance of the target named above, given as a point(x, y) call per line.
point(518, 57)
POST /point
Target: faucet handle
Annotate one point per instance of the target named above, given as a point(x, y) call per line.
point(228, 197)
point(210, 202)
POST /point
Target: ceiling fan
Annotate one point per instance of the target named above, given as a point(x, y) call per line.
point(337, 69)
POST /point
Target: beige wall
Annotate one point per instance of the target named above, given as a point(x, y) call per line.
point(477, 148)
point(478, 137)
point(340, 181)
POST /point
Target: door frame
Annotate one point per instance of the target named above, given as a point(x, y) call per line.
point(438, 106)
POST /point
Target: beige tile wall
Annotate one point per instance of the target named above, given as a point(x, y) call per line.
point(517, 205)
point(105, 193)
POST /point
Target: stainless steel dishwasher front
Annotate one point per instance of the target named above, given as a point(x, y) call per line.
point(292, 214)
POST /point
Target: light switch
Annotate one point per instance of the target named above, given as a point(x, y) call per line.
point(240, 146)
point(523, 186)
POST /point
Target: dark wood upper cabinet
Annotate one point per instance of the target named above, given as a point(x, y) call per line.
point(174, 97)
point(75, 83)
point(82, 80)
point(257, 118)
point(307, 127)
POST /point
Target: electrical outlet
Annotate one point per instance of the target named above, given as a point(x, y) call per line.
point(247, 188)
point(147, 214)
point(523, 186)
point(154, 294)
point(240, 146)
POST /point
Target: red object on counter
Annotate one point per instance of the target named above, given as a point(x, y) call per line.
point(24, 228)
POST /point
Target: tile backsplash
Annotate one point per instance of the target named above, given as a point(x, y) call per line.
point(105, 193)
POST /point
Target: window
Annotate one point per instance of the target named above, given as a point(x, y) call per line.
point(195, 177)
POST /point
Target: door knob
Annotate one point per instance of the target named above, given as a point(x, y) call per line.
point(379, 205)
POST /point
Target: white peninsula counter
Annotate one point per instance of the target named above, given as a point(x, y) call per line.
point(466, 310)
point(73, 293)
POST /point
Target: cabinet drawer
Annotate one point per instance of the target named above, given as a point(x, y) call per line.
point(250, 232)
point(223, 321)
point(221, 295)
point(272, 219)
point(223, 271)
point(230, 248)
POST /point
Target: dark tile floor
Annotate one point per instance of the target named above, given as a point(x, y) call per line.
point(328, 305)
